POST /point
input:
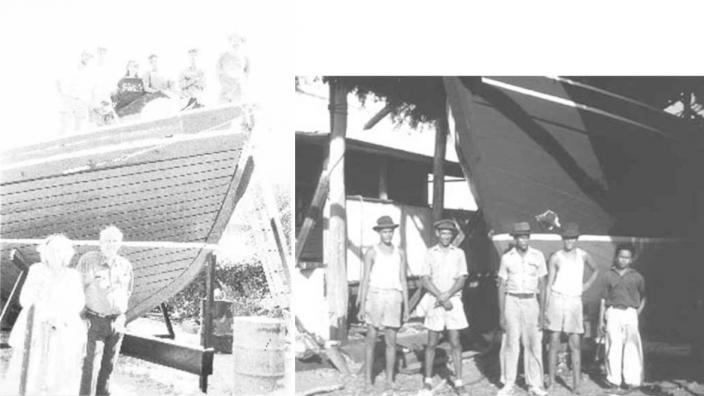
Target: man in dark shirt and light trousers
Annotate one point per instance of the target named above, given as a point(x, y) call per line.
point(622, 302)
point(108, 283)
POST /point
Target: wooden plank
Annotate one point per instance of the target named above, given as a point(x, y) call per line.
point(190, 359)
point(147, 174)
point(313, 212)
point(149, 215)
point(125, 187)
point(186, 195)
point(206, 158)
point(106, 210)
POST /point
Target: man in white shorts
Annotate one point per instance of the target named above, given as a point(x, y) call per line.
point(443, 274)
point(564, 301)
point(383, 298)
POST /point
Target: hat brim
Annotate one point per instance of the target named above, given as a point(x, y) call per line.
point(519, 233)
point(453, 229)
point(384, 227)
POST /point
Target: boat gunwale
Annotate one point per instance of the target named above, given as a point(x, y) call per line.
point(111, 131)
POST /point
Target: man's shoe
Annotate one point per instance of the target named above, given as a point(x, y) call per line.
point(506, 390)
point(428, 383)
point(538, 391)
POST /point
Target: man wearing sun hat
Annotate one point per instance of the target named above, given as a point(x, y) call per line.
point(383, 296)
point(563, 312)
point(521, 289)
point(443, 274)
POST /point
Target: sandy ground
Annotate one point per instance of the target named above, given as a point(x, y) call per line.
point(137, 377)
point(664, 375)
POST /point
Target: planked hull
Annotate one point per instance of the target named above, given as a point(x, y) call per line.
point(620, 169)
point(170, 185)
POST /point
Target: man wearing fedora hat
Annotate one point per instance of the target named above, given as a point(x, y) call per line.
point(521, 296)
point(383, 296)
point(563, 308)
point(443, 274)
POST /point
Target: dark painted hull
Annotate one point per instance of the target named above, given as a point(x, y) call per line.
point(620, 169)
point(170, 185)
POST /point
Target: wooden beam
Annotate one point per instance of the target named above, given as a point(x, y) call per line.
point(24, 366)
point(14, 297)
point(206, 337)
point(335, 234)
point(441, 130)
point(314, 211)
point(167, 320)
point(379, 116)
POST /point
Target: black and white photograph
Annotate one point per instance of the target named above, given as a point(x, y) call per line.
point(492, 235)
point(146, 201)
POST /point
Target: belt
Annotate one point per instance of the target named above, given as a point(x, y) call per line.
point(619, 307)
point(522, 295)
point(102, 316)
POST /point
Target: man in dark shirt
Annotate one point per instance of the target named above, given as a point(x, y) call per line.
point(622, 302)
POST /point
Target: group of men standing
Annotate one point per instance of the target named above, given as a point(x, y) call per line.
point(533, 296)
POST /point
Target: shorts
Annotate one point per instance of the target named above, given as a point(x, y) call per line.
point(439, 319)
point(564, 313)
point(382, 308)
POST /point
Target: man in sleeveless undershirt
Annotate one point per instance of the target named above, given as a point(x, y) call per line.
point(563, 312)
point(383, 297)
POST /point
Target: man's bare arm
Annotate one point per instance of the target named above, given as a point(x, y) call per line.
point(595, 271)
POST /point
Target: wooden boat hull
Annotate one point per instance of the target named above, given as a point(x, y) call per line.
point(170, 185)
point(622, 170)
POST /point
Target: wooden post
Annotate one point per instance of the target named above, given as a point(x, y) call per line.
point(335, 234)
point(206, 336)
point(24, 367)
point(383, 178)
point(441, 129)
point(167, 320)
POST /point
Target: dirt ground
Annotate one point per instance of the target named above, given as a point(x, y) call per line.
point(665, 375)
point(138, 377)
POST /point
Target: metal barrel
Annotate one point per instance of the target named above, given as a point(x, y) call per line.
point(259, 353)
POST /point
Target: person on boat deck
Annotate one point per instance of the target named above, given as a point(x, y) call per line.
point(49, 332)
point(383, 297)
point(108, 283)
point(130, 89)
point(623, 300)
point(521, 298)
point(564, 301)
point(75, 92)
point(443, 274)
point(153, 80)
point(102, 110)
point(192, 81)
point(232, 71)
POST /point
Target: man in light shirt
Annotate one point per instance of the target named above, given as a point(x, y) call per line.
point(443, 274)
point(521, 299)
point(75, 91)
point(108, 283)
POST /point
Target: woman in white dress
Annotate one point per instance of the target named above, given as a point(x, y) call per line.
point(48, 338)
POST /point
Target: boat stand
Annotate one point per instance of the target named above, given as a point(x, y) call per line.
point(163, 351)
point(12, 300)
